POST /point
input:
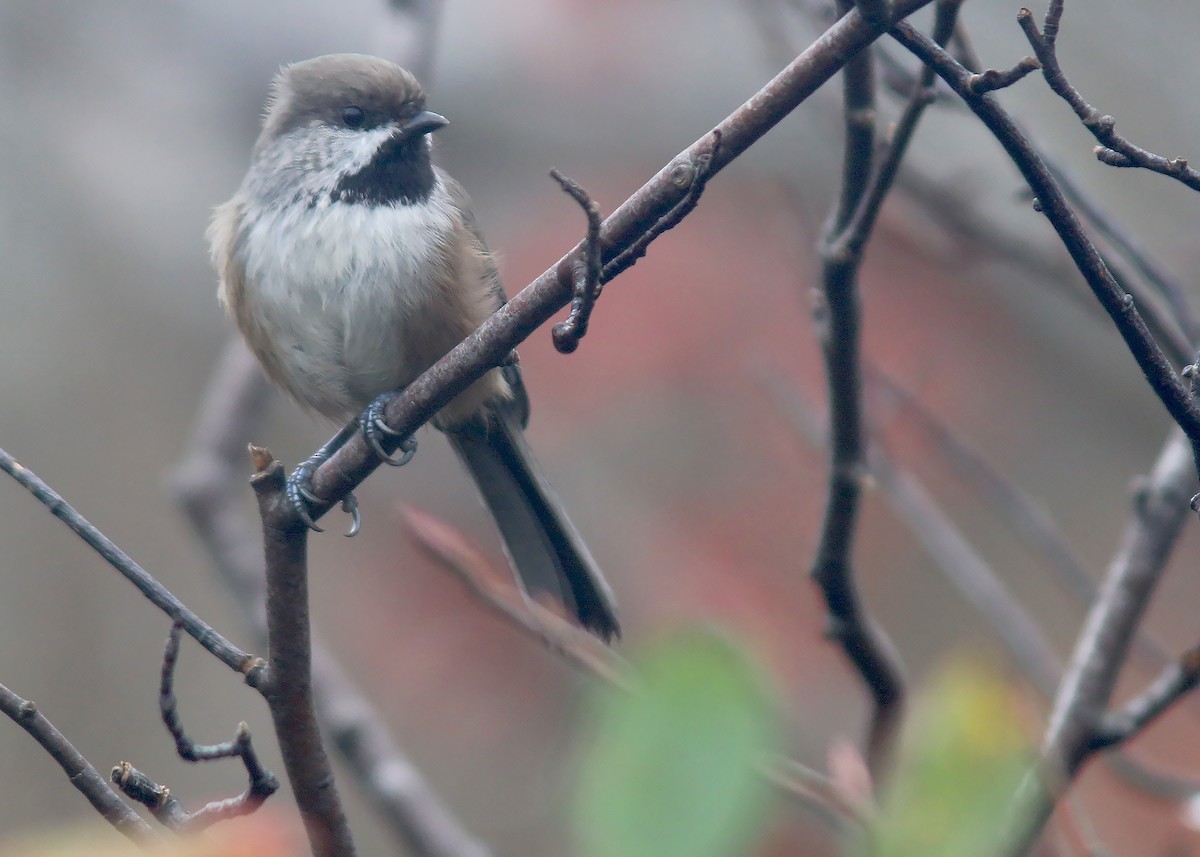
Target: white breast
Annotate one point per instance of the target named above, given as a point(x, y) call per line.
point(338, 284)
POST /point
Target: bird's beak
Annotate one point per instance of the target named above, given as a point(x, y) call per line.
point(425, 122)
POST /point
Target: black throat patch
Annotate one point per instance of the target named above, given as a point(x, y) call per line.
point(401, 173)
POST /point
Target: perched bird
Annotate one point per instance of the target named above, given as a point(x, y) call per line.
point(350, 264)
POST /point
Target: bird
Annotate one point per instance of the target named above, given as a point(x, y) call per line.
point(350, 263)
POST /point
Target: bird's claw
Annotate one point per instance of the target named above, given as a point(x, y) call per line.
point(350, 507)
point(374, 428)
point(300, 495)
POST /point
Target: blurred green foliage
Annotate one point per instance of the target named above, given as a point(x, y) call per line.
point(962, 759)
point(672, 768)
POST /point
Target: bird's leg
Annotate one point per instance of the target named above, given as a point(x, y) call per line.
point(374, 429)
point(299, 484)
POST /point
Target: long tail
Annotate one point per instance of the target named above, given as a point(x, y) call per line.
point(543, 547)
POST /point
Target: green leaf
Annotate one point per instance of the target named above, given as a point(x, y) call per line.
point(672, 768)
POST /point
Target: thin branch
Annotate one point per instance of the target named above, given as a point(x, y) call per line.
point(992, 79)
point(1027, 517)
point(858, 149)
point(262, 784)
point(851, 224)
point(958, 561)
point(540, 300)
point(1158, 278)
point(1172, 683)
point(1114, 149)
point(454, 552)
point(857, 229)
point(1118, 303)
point(1102, 646)
point(86, 779)
point(288, 683)
point(210, 483)
point(218, 646)
point(838, 316)
point(1134, 573)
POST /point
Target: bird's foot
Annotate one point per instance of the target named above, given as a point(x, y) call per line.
point(374, 429)
point(301, 497)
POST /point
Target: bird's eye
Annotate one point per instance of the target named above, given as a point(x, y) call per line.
point(353, 116)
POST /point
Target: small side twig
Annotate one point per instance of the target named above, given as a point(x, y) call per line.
point(1114, 149)
point(1122, 241)
point(1082, 699)
point(566, 334)
point(262, 784)
point(1173, 682)
point(689, 176)
point(993, 79)
point(85, 778)
point(158, 799)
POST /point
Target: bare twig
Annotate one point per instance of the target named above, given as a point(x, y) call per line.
point(1114, 149)
point(993, 79)
point(540, 300)
point(1158, 278)
point(566, 334)
point(218, 646)
point(1134, 573)
point(1172, 683)
point(454, 552)
point(691, 176)
point(951, 552)
point(851, 240)
point(137, 786)
point(287, 686)
point(86, 779)
point(1118, 303)
point(1100, 651)
point(837, 313)
point(851, 224)
point(209, 483)
point(263, 783)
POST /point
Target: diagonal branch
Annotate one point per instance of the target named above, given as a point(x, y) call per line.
point(1157, 369)
point(159, 595)
point(540, 300)
point(85, 778)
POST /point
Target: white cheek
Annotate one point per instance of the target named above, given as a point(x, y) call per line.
point(310, 160)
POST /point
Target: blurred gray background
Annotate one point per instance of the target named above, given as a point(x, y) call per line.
point(123, 125)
